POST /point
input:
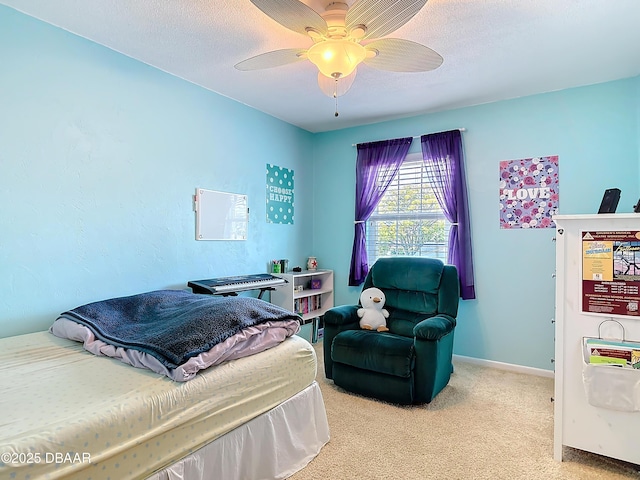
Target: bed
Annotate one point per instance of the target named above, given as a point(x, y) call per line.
point(69, 413)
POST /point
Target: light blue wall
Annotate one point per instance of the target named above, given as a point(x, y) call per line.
point(594, 130)
point(100, 155)
point(99, 158)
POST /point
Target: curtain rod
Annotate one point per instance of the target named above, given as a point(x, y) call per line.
point(415, 136)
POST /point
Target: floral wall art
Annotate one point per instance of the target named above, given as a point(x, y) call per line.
point(529, 192)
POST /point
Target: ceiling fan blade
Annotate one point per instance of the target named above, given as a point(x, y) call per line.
point(276, 58)
point(381, 17)
point(397, 55)
point(292, 14)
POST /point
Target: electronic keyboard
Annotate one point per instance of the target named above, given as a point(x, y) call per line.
point(232, 285)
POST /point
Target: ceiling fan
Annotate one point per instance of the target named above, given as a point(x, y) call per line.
point(337, 35)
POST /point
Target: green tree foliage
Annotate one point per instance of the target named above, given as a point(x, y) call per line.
point(414, 223)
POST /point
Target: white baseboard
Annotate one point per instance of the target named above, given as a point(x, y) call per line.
point(506, 366)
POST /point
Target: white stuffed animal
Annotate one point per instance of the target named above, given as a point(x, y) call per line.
point(372, 314)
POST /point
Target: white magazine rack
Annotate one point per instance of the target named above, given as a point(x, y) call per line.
point(610, 386)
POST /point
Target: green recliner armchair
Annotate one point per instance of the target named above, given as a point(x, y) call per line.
point(411, 363)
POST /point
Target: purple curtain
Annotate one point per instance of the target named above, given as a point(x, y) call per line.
point(443, 157)
point(377, 164)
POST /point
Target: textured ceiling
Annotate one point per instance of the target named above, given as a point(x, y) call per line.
point(492, 49)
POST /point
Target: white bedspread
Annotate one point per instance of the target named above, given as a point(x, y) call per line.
point(69, 414)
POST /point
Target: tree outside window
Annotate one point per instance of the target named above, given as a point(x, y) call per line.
point(408, 221)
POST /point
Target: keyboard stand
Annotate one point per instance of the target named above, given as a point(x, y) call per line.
point(198, 289)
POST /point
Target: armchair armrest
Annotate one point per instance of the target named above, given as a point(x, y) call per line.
point(434, 328)
point(343, 316)
point(337, 319)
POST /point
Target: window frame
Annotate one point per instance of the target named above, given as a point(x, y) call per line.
point(433, 249)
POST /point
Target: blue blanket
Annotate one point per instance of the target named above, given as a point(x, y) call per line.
point(173, 325)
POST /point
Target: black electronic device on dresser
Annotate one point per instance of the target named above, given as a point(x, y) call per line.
point(610, 201)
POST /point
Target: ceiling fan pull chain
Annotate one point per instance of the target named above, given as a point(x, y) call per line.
point(335, 94)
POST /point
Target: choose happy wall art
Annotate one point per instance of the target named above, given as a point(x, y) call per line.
point(529, 192)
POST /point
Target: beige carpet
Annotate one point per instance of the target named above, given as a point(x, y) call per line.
point(486, 424)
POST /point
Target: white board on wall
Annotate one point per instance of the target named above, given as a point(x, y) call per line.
point(221, 215)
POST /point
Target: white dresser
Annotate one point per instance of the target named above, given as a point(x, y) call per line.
point(595, 285)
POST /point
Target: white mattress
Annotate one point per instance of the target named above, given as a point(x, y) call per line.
point(70, 414)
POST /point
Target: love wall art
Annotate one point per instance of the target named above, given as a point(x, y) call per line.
point(529, 192)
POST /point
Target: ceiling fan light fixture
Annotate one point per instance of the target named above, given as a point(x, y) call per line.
point(336, 58)
point(336, 87)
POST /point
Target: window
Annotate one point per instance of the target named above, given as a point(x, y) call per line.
point(408, 221)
